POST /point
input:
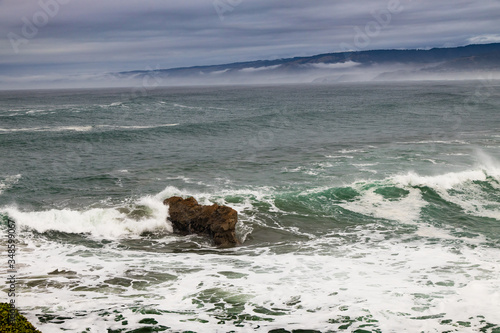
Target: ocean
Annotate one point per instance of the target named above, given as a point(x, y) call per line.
point(363, 207)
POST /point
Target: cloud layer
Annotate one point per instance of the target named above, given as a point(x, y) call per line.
point(62, 37)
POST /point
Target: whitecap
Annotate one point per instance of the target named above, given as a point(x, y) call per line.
point(48, 129)
point(107, 223)
point(8, 181)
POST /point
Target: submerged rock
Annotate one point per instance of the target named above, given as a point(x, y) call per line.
point(189, 217)
point(62, 272)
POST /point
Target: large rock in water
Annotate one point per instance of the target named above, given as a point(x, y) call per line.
point(189, 217)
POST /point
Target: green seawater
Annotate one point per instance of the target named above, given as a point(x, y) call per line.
point(363, 207)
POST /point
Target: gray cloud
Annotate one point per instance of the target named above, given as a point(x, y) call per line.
point(93, 36)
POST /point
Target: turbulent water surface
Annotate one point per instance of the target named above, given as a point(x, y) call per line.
point(363, 207)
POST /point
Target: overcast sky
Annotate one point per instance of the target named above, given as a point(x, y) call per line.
point(75, 37)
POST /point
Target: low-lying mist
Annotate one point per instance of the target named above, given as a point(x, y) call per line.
point(320, 73)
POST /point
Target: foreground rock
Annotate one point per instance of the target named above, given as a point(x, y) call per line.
point(16, 324)
point(189, 217)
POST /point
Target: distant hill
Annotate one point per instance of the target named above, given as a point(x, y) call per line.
point(345, 66)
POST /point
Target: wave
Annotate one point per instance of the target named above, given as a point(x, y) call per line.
point(135, 126)
point(8, 181)
point(148, 214)
point(475, 191)
point(39, 111)
point(407, 199)
point(48, 129)
point(444, 142)
point(28, 112)
point(401, 197)
point(114, 104)
point(187, 107)
point(81, 128)
point(405, 209)
point(441, 182)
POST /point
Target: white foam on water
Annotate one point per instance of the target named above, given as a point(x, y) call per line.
point(300, 169)
point(186, 180)
point(426, 283)
point(474, 201)
point(111, 105)
point(245, 206)
point(250, 196)
point(404, 286)
point(324, 165)
point(48, 129)
point(405, 210)
point(187, 107)
point(339, 156)
point(136, 126)
point(108, 223)
point(349, 151)
point(150, 126)
point(444, 182)
point(363, 167)
point(8, 181)
point(311, 170)
point(79, 128)
point(35, 111)
point(403, 283)
point(429, 231)
point(430, 160)
point(365, 164)
point(444, 142)
point(461, 188)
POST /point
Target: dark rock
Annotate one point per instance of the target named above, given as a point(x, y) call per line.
point(62, 272)
point(189, 217)
point(11, 321)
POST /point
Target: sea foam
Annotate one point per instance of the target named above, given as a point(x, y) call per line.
point(108, 223)
point(8, 182)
